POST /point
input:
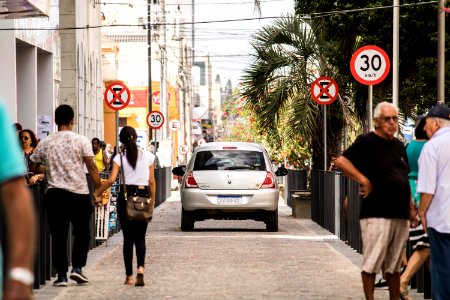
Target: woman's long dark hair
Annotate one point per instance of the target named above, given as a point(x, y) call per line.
point(128, 138)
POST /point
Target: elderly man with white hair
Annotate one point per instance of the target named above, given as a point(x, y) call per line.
point(377, 161)
point(434, 185)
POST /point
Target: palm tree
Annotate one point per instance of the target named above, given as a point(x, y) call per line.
point(288, 57)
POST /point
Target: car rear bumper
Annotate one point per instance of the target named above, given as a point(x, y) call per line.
point(262, 199)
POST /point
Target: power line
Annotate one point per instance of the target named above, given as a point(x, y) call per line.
point(306, 16)
point(225, 3)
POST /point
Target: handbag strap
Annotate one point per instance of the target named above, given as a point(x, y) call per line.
point(123, 177)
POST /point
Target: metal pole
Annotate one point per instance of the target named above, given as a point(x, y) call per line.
point(441, 53)
point(325, 137)
point(164, 89)
point(149, 61)
point(117, 131)
point(395, 53)
point(370, 109)
point(337, 206)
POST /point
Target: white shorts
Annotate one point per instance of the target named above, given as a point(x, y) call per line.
point(383, 244)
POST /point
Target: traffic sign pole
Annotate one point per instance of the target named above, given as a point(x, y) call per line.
point(370, 65)
point(324, 91)
point(324, 137)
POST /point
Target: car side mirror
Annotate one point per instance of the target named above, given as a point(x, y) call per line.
point(179, 171)
point(282, 171)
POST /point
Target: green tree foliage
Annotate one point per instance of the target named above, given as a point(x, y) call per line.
point(372, 24)
point(288, 57)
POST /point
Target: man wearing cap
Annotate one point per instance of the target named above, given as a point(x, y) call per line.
point(434, 185)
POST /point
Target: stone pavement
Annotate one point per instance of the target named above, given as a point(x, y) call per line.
point(225, 260)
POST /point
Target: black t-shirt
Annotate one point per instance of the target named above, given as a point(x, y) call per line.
point(385, 164)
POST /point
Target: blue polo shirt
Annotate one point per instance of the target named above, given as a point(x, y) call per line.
point(11, 162)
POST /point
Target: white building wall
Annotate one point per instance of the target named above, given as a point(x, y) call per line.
point(29, 61)
point(81, 81)
point(8, 88)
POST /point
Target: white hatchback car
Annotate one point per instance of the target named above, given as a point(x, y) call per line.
point(229, 180)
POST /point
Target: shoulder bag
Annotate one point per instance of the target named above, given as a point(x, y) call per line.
point(139, 205)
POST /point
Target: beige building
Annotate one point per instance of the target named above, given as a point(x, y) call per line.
point(50, 54)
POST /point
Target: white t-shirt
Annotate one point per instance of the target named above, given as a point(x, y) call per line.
point(62, 153)
point(141, 174)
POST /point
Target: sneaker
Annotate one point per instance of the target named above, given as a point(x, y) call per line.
point(381, 284)
point(60, 281)
point(78, 276)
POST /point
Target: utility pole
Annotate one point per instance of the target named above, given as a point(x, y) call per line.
point(441, 53)
point(395, 52)
point(163, 90)
point(187, 99)
point(149, 61)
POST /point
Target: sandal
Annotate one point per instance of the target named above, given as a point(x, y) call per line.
point(404, 295)
point(139, 280)
point(129, 280)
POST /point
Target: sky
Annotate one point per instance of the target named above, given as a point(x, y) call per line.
point(228, 43)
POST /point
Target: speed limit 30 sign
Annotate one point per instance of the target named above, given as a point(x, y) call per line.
point(155, 119)
point(370, 65)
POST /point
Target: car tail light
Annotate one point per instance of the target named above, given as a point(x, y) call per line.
point(269, 181)
point(190, 181)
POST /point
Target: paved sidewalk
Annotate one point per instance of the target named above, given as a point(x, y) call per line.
point(225, 260)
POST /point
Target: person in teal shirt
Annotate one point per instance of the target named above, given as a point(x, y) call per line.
point(19, 216)
point(419, 240)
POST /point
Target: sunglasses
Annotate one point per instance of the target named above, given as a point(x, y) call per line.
point(24, 138)
point(389, 118)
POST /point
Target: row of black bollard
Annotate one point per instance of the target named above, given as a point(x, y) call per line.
point(335, 205)
point(296, 180)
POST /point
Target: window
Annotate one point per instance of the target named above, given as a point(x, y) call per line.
point(229, 160)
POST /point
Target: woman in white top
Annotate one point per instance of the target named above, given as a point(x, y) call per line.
point(138, 167)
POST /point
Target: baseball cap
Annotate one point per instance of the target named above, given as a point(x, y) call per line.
point(439, 111)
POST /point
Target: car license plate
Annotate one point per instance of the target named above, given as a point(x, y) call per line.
point(229, 200)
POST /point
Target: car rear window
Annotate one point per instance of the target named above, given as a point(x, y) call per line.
point(229, 160)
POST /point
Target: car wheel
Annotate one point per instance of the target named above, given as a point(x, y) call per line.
point(272, 221)
point(187, 220)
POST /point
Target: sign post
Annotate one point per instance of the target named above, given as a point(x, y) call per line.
point(117, 96)
point(174, 126)
point(324, 90)
point(370, 65)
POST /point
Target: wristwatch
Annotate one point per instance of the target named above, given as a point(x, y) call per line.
point(21, 275)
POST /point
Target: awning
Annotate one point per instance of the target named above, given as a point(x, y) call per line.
point(18, 9)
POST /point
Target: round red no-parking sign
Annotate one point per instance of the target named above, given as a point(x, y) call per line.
point(324, 90)
point(117, 96)
point(370, 65)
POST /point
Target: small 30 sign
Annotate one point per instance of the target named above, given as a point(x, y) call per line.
point(155, 119)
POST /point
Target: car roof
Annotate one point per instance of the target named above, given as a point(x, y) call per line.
point(238, 145)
